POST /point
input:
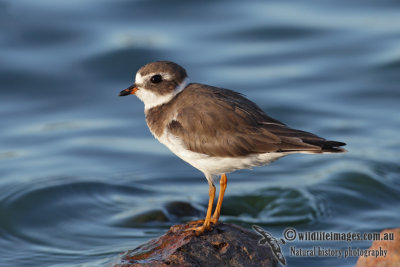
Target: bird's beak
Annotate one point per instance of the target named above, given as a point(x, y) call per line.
point(131, 90)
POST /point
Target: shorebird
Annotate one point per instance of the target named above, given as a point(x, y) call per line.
point(215, 130)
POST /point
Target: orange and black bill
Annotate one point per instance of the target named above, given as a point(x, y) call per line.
point(131, 90)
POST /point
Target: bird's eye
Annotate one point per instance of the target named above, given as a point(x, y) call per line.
point(156, 78)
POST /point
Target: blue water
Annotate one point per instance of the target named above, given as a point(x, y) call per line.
point(81, 177)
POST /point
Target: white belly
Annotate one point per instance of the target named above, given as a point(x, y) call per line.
point(215, 165)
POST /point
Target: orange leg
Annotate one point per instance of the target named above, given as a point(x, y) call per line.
point(222, 186)
point(207, 221)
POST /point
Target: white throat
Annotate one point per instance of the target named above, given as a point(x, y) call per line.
point(150, 99)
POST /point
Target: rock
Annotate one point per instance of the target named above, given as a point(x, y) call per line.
point(392, 258)
point(224, 245)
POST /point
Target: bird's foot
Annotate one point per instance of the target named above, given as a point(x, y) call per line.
point(214, 220)
point(199, 229)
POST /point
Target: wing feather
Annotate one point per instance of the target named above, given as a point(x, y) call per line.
point(222, 123)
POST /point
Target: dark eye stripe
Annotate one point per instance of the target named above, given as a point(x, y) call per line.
point(156, 78)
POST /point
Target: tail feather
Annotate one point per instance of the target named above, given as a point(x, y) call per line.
point(327, 146)
point(293, 140)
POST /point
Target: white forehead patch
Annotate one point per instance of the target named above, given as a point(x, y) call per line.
point(138, 78)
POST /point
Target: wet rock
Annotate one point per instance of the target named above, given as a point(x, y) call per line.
point(224, 245)
point(392, 258)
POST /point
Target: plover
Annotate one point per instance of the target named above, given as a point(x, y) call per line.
point(215, 130)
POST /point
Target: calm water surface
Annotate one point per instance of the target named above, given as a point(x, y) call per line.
point(81, 177)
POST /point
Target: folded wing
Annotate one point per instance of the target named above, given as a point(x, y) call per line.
point(222, 123)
